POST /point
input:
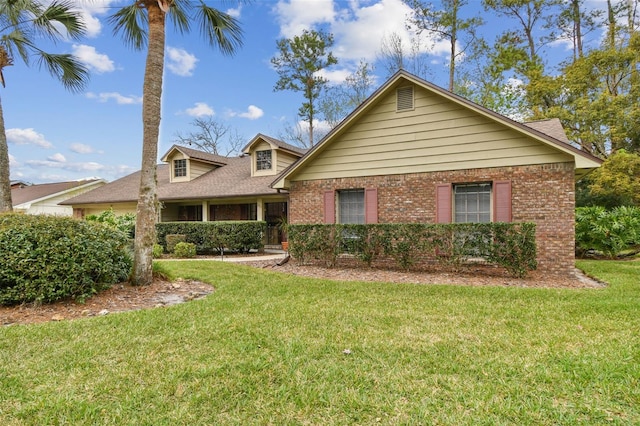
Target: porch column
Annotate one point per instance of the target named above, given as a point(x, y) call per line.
point(205, 211)
point(259, 209)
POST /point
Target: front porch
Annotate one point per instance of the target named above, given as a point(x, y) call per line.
point(272, 210)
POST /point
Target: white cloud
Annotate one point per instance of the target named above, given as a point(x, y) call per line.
point(27, 137)
point(297, 15)
point(120, 99)
point(88, 55)
point(90, 10)
point(335, 76)
point(13, 162)
point(180, 62)
point(80, 148)
point(235, 13)
point(252, 113)
point(358, 26)
point(200, 109)
point(82, 167)
point(57, 158)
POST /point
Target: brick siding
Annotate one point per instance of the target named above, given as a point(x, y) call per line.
point(542, 194)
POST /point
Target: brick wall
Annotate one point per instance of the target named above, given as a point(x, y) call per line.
point(543, 194)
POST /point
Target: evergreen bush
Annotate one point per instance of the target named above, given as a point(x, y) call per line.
point(185, 250)
point(48, 258)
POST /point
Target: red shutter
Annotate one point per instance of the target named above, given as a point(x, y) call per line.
point(443, 203)
point(502, 201)
point(329, 207)
point(371, 205)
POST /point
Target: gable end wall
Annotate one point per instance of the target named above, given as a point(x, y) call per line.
point(542, 194)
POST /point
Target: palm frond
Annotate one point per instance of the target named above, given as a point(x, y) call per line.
point(179, 15)
point(16, 41)
point(219, 29)
point(131, 22)
point(66, 67)
point(64, 14)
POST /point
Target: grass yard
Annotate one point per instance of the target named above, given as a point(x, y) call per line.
point(267, 348)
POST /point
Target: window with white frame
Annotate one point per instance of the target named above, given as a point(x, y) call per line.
point(179, 168)
point(472, 203)
point(263, 160)
point(351, 206)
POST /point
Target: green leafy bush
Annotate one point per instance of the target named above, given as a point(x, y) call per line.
point(173, 239)
point(125, 222)
point(48, 258)
point(157, 251)
point(510, 245)
point(609, 232)
point(185, 250)
point(210, 237)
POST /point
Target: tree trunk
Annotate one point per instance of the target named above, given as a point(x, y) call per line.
point(147, 210)
point(6, 204)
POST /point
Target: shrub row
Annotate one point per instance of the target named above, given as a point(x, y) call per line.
point(609, 232)
point(210, 237)
point(48, 258)
point(510, 245)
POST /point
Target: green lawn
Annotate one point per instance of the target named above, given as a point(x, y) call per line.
point(266, 348)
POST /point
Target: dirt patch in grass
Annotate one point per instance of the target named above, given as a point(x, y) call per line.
point(480, 275)
point(118, 298)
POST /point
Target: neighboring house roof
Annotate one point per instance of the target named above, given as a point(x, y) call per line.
point(23, 196)
point(231, 181)
point(548, 133)
point(275, 142)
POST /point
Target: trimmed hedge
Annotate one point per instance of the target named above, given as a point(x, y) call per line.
point(510, 245)
point(210, 237)
point(49, 258)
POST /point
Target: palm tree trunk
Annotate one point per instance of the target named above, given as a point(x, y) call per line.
point(6, 204)
point(147, 210)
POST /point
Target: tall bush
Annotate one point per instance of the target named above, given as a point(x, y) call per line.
point(48, 258)
point(609, 232)
point(124, 222)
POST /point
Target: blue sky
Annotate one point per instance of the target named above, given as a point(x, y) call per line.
point(55, 135)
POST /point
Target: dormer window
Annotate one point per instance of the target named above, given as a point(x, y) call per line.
point(263, 160)
point(179, 168)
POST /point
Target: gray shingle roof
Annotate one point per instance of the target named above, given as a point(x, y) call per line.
point(551, 127)
point(199, 155)
point(231, 180)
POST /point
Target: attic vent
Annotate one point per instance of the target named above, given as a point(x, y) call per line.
point(405, 98)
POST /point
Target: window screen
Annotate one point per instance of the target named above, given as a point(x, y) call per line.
point(472, 203)
point(351, 206)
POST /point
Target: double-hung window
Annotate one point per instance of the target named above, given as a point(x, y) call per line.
point(263, 160)
point(472, 203)
point(351, 206)
point(179, 168)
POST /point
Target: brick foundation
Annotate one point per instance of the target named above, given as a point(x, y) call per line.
point(542, 194)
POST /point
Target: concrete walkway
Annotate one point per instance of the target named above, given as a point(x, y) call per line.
point(238, 259)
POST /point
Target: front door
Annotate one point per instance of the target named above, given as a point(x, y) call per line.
point(275, 213)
